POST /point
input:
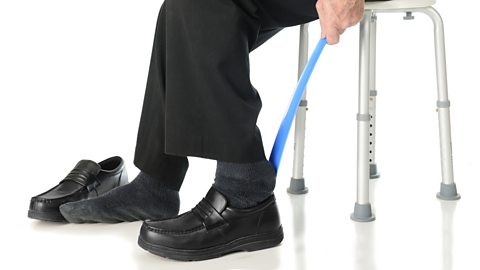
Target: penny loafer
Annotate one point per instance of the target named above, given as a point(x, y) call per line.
point(213, 229)
point(87, 179)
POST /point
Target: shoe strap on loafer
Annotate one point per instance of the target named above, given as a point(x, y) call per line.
point(83, 172)
point(209, 215)
point(81, 177)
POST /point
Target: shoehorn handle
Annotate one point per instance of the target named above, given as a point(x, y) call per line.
point(282, 135)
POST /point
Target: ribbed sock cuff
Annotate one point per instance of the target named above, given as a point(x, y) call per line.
point(245, 184)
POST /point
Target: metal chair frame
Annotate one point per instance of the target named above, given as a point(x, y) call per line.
point(366, 129)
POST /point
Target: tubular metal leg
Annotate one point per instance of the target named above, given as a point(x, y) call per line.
point(363, 210)
point(297, 182)
point(373, 96)
point(448, 189)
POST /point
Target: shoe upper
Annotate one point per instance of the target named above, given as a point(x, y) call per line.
point(86, 180)
point(212, 222)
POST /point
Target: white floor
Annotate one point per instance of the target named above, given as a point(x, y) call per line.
point(65, 64)
point(413, 230)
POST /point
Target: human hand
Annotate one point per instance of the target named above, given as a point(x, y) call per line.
point(337, 15)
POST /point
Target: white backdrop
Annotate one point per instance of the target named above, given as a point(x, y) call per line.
point(73, 75)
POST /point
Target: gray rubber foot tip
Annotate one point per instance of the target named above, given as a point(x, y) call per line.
point(374, 174)
point(448, 192)
point(362, 213)
point(297, 186)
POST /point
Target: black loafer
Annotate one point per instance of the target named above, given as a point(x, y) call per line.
point(87, 180)
point(213, 229)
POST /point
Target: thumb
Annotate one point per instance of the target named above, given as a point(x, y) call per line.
point(332, 35)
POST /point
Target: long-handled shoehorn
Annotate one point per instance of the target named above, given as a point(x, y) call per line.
point(282, 135)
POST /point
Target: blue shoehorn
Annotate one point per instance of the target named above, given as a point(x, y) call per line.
point(282, 135)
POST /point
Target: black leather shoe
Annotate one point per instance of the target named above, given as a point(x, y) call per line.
point(87, 180)
point(213, 229)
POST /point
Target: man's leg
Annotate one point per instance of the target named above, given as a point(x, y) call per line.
point(199, 102)
point(210, 87)
point(153, 194)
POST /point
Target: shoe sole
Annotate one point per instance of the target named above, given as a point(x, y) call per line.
point(248, 243)
point(46, 216)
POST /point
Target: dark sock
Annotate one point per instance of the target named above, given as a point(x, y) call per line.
point(245, 184)
point(143, 198)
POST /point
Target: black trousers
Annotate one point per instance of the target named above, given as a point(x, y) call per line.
point(199, 100)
